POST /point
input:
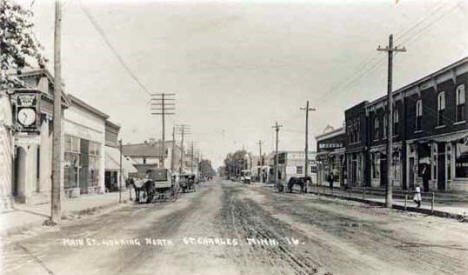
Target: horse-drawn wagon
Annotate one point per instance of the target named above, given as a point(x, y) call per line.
point(158, 184)
point(187, 182)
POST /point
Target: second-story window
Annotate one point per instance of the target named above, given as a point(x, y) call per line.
point(440, 108)
point(396, 122)
point(358, 130)
point(376, 128)
point(418, 115)
point(384, 126)
point(460, 103)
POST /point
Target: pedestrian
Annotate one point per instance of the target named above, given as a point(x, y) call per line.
point(417, 195)
point(331, 179)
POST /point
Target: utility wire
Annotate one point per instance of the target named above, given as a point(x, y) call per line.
point(114, 51)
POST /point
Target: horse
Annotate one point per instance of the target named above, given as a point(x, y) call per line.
point(301, 181)
point(145, 185)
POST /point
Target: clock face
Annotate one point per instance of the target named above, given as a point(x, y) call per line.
point(27, 116)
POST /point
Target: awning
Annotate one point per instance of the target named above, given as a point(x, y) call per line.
point(112, 161)
point(451, 137)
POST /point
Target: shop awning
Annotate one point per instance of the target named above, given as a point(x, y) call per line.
point(451, 137)
point(112, 161)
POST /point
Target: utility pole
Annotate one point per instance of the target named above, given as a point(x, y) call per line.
point(276, 127)
point(56, 207)
point(183, 130)
point(191, 160)
point(260, 147)
point(306, 158)
point(163, 104)
point(121, 176)
point(389, 186)
point(173, 150)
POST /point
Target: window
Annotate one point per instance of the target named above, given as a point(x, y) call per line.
point(460, 103)
point(418, 115)
point(461, 159)
point(358, 136)
point(440, 108)
point(376, 128)
point(384, 127)
point(299, 170)
point(396, 122)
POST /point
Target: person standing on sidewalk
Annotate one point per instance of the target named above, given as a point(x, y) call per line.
point(331, 179)
point(417, 195)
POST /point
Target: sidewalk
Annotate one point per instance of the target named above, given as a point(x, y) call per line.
point(24, 217)
point(441, 206)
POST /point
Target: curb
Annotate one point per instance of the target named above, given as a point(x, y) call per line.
point(438, 213)
point(68, 215)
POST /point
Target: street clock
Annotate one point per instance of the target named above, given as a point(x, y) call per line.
point(27, 110)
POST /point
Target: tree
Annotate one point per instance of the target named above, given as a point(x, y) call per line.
point(235, 162)
point(206, 170)
point(19, 46)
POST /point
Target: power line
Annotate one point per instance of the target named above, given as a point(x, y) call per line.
point(366, 70)
point(113, 50)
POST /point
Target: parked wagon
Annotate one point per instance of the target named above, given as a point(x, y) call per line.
point(187, 183)
point(157, 185)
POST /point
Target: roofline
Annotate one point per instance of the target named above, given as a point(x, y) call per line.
point(423, 79)
point(332, 133)
point(113, 124)
point(88, 107)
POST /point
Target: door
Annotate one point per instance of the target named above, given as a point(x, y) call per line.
point(354, 172)
point(441, 166)
point(383, 172)
point(411, 173)
point(84, 161)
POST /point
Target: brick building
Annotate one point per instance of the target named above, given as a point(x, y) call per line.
point(430, 128)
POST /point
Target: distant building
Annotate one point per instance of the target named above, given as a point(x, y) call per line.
point(291, 164)
point(331, 155)
point(148, 155)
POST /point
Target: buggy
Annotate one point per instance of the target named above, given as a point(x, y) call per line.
point(187, 183)
point(157, 185)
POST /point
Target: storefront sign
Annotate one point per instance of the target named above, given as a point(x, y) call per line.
point(27, 111)
point(330, 145)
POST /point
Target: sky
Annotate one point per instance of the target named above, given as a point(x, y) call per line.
point(237, 67)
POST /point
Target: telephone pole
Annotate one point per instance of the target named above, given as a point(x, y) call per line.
point(163, 104)
point(191, 160)
point(277, 128)
point(121, 176)
point(260, 147)
point(56, 207)
point(389, 186)
point(173, 150)
point(306, 159)
point(183, 130)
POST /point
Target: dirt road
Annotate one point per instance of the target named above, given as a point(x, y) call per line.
point(231, 228)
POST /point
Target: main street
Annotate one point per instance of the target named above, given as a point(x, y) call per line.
point(243, 229)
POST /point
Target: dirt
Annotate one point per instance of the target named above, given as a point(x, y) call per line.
point(232, 228)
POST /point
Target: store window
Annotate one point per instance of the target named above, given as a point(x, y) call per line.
point(461, 159)
point(440, 108)
point(72, 161)
point(94, 163)
point(376, 166)
point(418, 115)
point(460, 103)
point(299, 169)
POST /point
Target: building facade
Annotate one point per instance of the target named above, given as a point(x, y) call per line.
point(429, 129)
point(292, 164)
point(331, 155)
point(83, 142)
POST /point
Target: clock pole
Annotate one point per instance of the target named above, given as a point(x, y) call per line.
point(56, 213)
